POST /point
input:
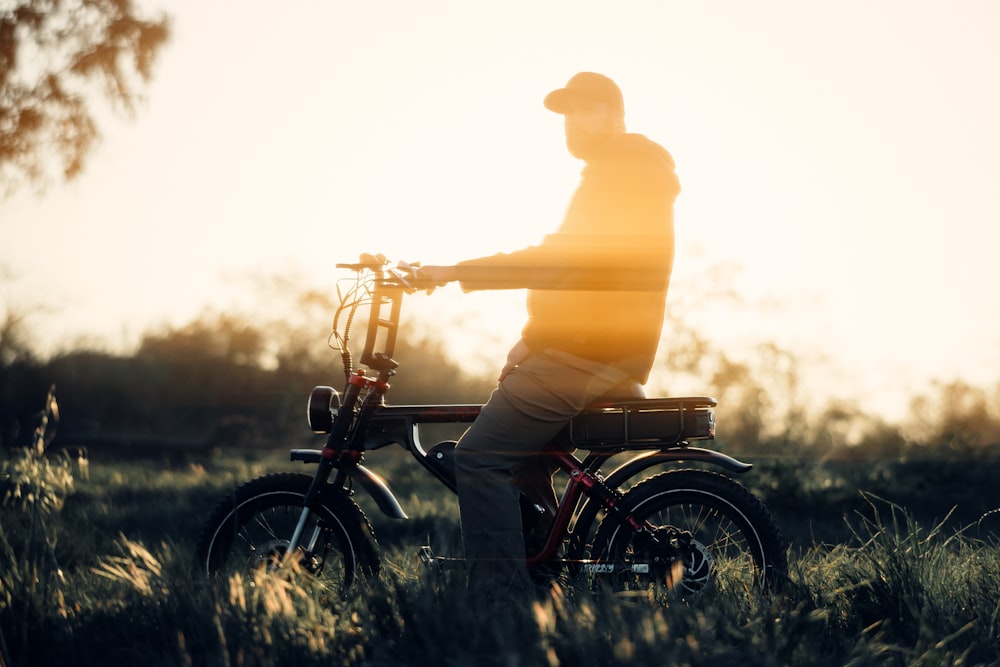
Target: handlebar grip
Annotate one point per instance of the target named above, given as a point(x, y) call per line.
point(366, 261)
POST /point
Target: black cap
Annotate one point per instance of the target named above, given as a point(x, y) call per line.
point(586, 86)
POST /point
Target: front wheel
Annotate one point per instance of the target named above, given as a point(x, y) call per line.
point(702, 531)
point(252, 528)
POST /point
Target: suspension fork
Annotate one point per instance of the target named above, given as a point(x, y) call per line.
point(336, 450)
point(323, 472)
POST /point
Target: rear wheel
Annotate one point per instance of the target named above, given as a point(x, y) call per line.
point(252, 527)
point(704, 531)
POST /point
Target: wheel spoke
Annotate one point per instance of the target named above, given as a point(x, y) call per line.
point(253, 527)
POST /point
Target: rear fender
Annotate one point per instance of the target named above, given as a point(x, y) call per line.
point(368, 480)
point(642, 462)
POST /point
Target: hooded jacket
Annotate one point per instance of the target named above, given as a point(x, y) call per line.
point(597, 287)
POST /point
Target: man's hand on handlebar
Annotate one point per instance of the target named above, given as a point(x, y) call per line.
point(416, 277)
point(410, 276)
point(435, 276)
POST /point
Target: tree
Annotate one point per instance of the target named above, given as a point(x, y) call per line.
point(14, 345)
point(15, 338)
point(52, 54)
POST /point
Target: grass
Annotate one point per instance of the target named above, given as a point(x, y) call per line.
point(95, 570)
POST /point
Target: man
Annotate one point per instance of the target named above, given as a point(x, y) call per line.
point(595, 302)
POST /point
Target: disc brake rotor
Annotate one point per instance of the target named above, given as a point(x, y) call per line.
point(698, 568)
point(676, 560)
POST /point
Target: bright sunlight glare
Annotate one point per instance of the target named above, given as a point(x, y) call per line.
point(837, 160)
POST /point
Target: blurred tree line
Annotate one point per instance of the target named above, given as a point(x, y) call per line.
point(767, 408)
point(766, 412)
point(225, 379)
point(219, 380)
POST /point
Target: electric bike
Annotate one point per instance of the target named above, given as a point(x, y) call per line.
point(669, 518)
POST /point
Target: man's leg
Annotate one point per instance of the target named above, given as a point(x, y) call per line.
point(529, 407)
point(533, 474)
point(489, 503)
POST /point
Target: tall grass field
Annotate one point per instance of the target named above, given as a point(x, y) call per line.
point(891, 563)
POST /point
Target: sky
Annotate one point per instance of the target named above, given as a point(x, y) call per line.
point(839, 162)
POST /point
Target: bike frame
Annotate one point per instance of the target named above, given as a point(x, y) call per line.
point(363, 422)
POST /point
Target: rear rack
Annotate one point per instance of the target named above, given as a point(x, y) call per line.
point(642, 423)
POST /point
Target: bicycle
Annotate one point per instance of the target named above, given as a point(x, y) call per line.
point(677, 532)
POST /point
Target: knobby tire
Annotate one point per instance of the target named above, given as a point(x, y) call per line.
point(251, 528)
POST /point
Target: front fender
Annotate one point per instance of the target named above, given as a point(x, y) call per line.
point(368, 480)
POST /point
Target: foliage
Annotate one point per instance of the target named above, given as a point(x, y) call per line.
point(51, 55)
point(34, 490)
point(900, 586)
point(239, 379)
point(14, 342)
point(891, 593)
point(218, 381)
point(32, 482)
point(963, 418)
point(762, 410)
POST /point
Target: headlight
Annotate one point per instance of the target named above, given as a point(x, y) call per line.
point(323, 405)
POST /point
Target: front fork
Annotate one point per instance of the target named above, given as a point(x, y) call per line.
point(336, 449)
point(312, 496)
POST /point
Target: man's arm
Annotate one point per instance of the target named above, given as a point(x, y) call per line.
point(596, 262)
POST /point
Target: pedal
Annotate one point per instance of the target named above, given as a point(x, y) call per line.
point(426, 556)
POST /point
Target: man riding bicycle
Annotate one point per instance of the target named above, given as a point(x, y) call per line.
point(596, 297)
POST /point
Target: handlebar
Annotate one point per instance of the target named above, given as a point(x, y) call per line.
point(405, 275)
point(367, 261)
point(382, 289)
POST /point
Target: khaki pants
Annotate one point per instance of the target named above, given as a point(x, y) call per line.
point(501, 455)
